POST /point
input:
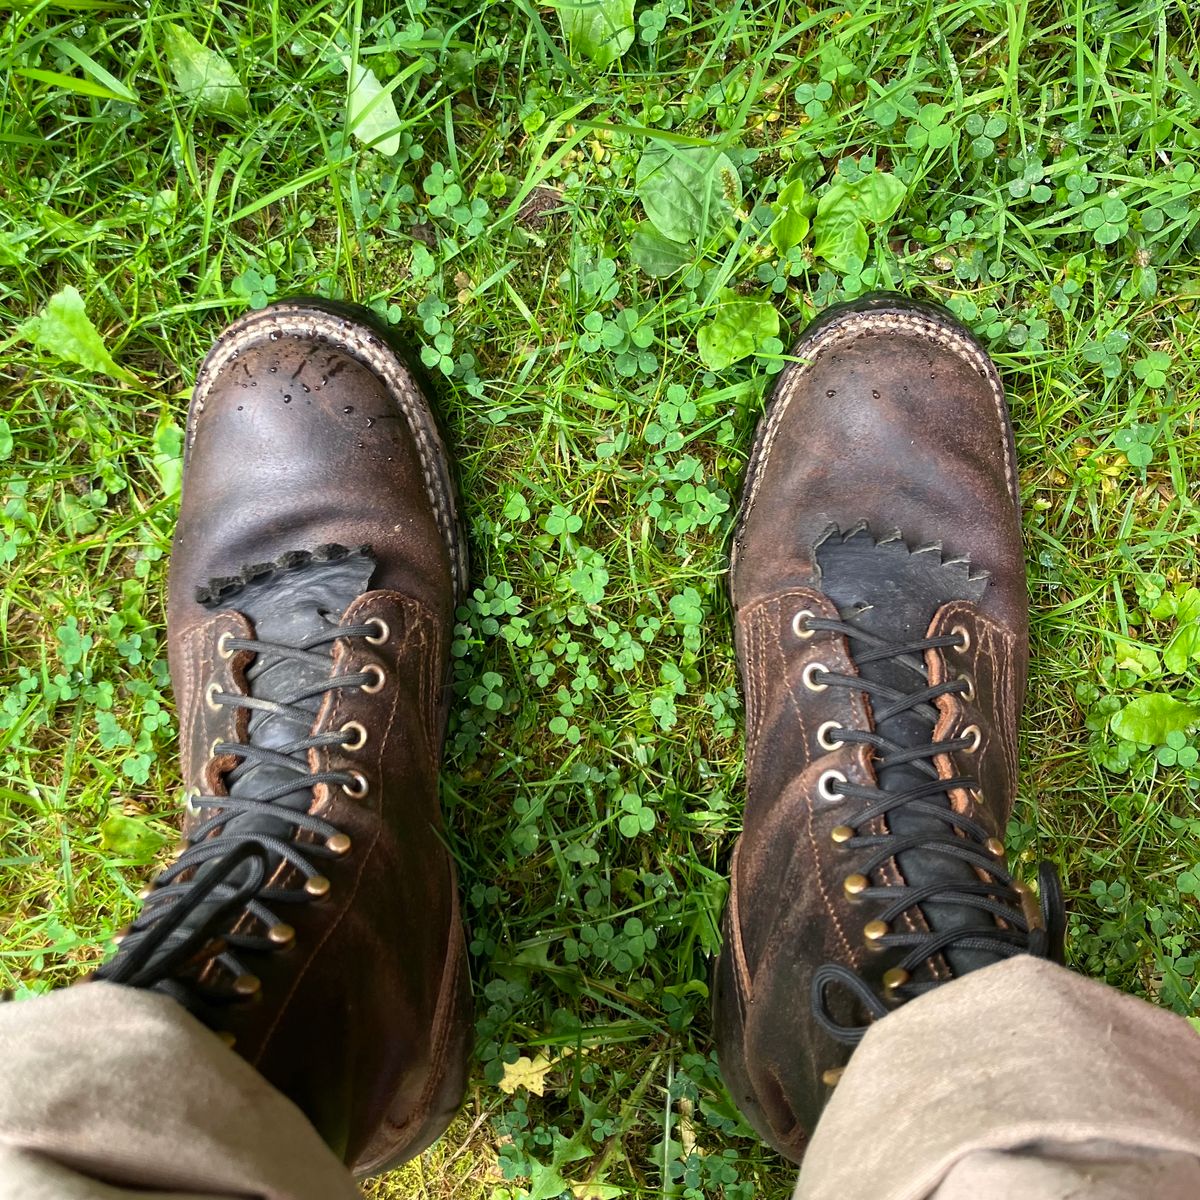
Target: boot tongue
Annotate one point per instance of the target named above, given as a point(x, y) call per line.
point(290, 606)
point(885, 589)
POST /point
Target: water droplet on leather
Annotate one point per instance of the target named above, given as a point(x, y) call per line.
point(272, 369)
point(370, 422)
point(360, 445)
point(275, 335)
point(240, 407)
point(874, 394)
point(348, 409)
point(831, 392)
point(287, 399)
point(306, 387)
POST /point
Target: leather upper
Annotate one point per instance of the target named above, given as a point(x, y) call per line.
point(892, 417)
point(306, 429)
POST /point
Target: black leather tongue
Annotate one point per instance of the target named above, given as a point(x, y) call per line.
point(289, 606)
point(886, 589)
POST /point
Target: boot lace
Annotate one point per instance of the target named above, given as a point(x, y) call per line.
point(964, 840)
point(229, 859)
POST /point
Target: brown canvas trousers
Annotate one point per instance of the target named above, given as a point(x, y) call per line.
point(1021, 1080)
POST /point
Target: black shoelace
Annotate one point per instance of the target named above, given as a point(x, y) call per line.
point(225, 867)
point(964, 840)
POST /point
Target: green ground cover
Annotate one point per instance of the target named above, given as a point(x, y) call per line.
point(602, 226)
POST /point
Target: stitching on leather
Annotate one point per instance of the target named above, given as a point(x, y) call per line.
point(378, 358)
point(756, 679)
point(818, 862)
point(335, 924)
point(853, 327)
point(737, 949)
point(189, 688)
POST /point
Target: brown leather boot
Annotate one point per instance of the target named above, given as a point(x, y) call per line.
point(881, 611)
point(312, 917)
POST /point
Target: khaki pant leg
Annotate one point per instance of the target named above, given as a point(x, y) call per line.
point(1022, 1080)
point(111, 1092)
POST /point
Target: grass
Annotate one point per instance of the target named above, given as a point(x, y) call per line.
point(601, 373)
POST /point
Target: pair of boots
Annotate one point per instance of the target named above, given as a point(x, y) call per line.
point(312, 917)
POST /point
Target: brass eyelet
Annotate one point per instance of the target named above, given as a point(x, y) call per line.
point(823, 732)
point(840, 834)
point(339, 844)
point(223, 645)
point(897, 977)
point(380, 678)
point(210, 694)
point(969, 694)
point(247, 985)
point(361, 786)
point(227, 1038)
point(833, 1076)
point(809, 681)
point(823, 788)
point(317, 885)
point(281, 934)
point(995, 847)
point(972, 732)
point(798, 622)
point(384, 633)
point(964, 638)
point(855, 885)
point(360, 730)
point(875, 932)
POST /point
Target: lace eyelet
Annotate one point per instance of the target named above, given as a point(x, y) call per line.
point(380, 678)
point(357, 728)
point(855, 885)
point(210, 695)
point(339, 844)
point(317, 885)
point(895, 978)
point(833, 1076)
point(384, 633)
point(969, 694)
point(189, 807)
point(874, 932)
point(808, 680)
point(798, 621)
point(972, 732)
point(246, 986)
point(212, 750)
point(361, 786)
point(223, 645)
point(823, 738)
point(841, 834)
point(995, 847)
point(823, 788)
point(964, 638)
point(281, 934)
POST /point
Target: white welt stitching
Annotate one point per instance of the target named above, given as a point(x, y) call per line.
point(364, 345)
point(856, 325)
